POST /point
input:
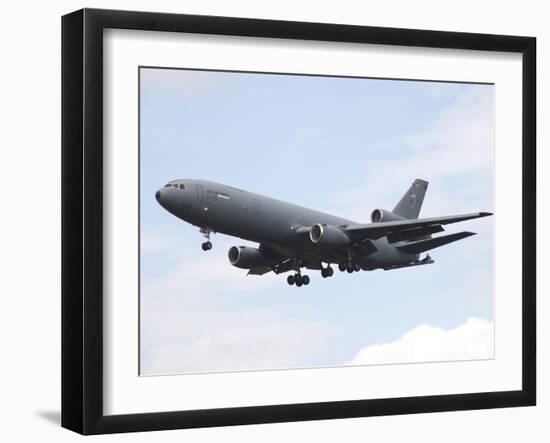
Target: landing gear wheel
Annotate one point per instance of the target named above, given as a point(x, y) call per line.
point(290, 280)
point(324, 273)
point(305, 279)
point(350, 268)
point(206, 246)
point(330, 272)
point(356, 268)
point(298, 279)
point(299, 283)
point(342, 267)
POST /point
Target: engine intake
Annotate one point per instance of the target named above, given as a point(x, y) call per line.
point(245, 257)
point(382, 215)
point(328, 235)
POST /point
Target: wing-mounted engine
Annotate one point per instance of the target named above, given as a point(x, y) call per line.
point(245, 257)
point(383, 215)
point(328, 235)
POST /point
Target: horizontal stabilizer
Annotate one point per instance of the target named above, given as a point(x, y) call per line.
point(431, 243)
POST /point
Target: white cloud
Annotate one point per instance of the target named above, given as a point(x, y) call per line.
point(455, 154)
point(472, 340)
point(249, 338)
point(205, 315)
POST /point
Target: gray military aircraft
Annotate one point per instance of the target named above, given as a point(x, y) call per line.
point(292, 237)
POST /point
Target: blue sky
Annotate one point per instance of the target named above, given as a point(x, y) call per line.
point(344, 146)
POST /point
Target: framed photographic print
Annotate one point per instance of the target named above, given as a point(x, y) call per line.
point(269, 221)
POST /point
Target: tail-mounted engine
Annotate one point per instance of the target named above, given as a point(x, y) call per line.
point(382, 215)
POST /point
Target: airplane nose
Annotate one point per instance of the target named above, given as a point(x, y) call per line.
point(157, 195)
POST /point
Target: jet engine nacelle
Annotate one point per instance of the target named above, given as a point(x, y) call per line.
point(382, 215)
point(245, 257)
point(328, 235)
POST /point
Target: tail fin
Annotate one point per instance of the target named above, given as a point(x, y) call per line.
point(410, 204)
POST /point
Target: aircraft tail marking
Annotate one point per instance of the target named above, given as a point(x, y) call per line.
point(410, 204)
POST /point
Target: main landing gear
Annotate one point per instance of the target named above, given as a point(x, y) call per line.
point(327, 272)
point(207, 245)
point(350, 267)
point(298, 279)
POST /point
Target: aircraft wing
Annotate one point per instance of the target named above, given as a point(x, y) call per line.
point(277, 263)
point(374, 231)
point(284, 264)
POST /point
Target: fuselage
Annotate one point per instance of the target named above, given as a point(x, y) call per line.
point(258, 218)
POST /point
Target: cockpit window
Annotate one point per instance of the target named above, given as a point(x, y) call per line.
point(175, 185)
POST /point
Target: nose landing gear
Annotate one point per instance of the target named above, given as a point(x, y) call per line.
point(207, 245)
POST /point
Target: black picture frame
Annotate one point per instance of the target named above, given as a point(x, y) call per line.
point(82, 215)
